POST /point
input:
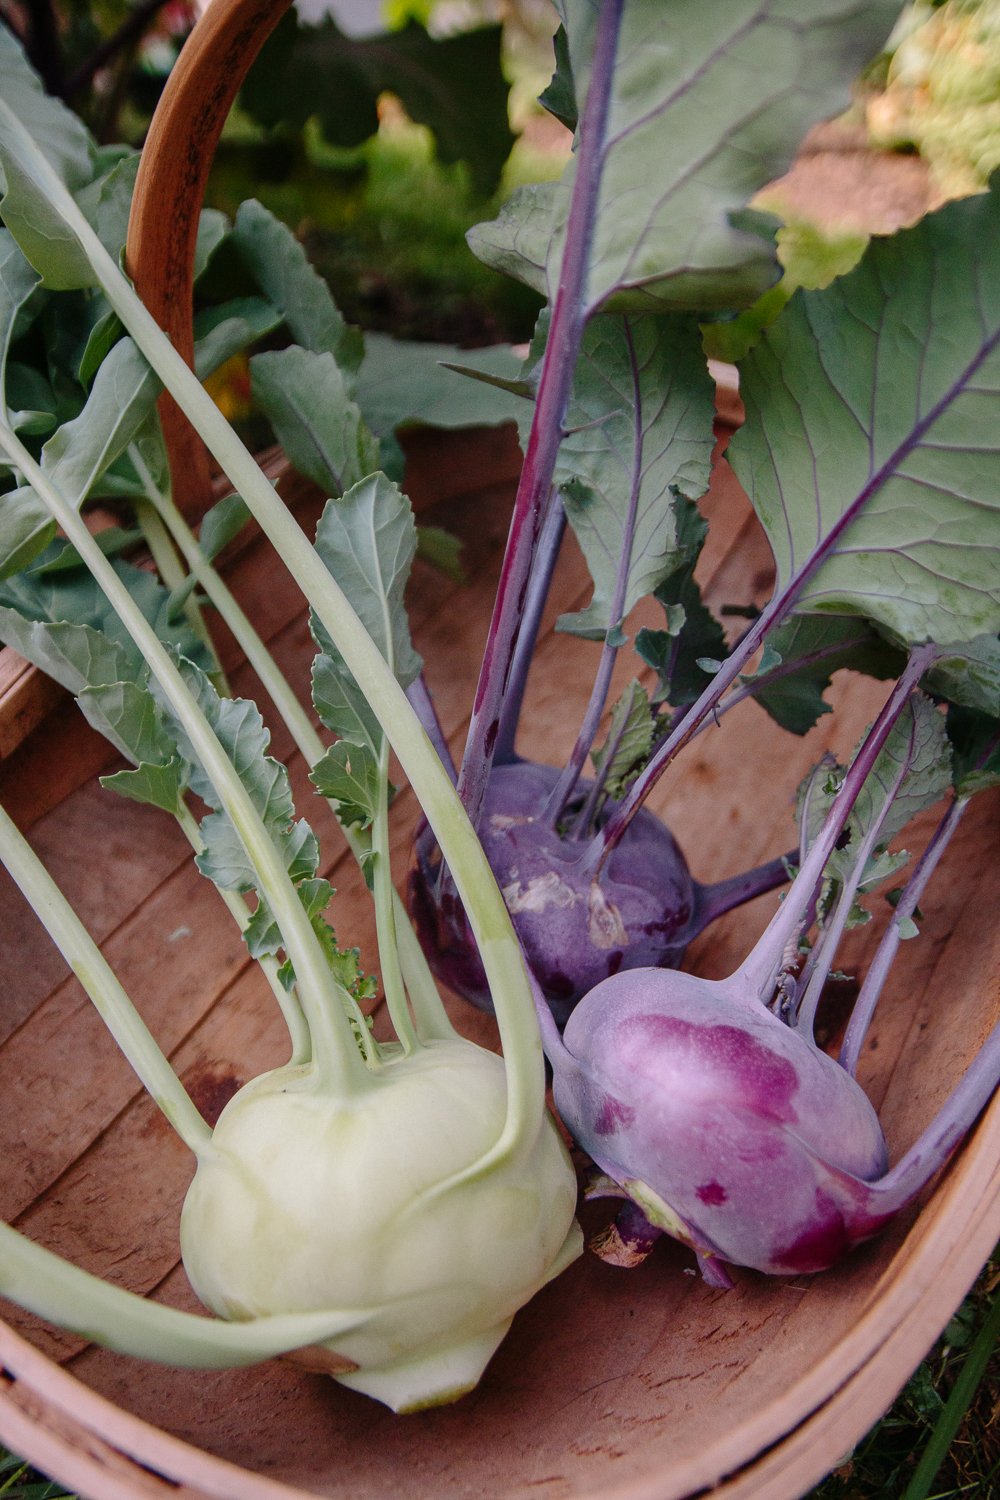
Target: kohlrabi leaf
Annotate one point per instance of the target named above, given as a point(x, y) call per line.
point(975, 749)
point(349, 775)
point(111, 541)
point(969, 675)
point(279, 266)
point(220, 332)
point(710, 99)
point(213, 228)
point(221, 524)
point(104, 335)
point(868, 448)
point(61, 135)
point(406, 383)
point(26, 529)
point(306, 399)
point(630, 735)
point(127, 714)
point(31, 400)
point(40, 230)
point(644, 402)
point(918, 746)
point(77, 656)
point(160, 785)
point(74, 597)
point(105, 204)
point(811, 648)
point(121, 399)
point(340, 703)
point(442, 549)
point(240, 729)
point(454, 85)
point(368, 540)
point(559, 98)
point(17, 282)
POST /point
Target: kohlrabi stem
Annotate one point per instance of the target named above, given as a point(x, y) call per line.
point(173, 575)
point(98, 979)
point(382, 890)
point(833, 929)
point(871, 989)
point(542, 568)
point(488, 916)
point(335, 1053)
point(63, 1293)
point(563, 789)
point(423, 706)
point(760, 967)
point(288, 1001)
point(552, 400)
point(431, 1014)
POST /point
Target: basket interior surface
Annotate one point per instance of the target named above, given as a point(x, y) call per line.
point(641, 1382)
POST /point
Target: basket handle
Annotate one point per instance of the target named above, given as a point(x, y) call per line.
point(169, 191)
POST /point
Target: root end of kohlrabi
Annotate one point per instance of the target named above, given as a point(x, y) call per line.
point(435, 1380)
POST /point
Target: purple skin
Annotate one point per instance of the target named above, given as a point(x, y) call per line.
point(641, 912)
point(727, 1127)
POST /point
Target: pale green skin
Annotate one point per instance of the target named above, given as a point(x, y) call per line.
point(310, 1202)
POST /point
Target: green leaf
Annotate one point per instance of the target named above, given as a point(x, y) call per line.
point(111, 541)
point(61, 135)
point(121, 400)
point(26, 529)
point(339, 701)
point(77, 656)
point(524, 388)
point(401, 384)
point(559, 98)
point(969, 675)
point(127, 714)
point(305, 398)
point(105, 204)
point(455, 86)
point(104, 335)
point(917, 743)
point(709, 102)
point(17, 282)
point(278, 264)
point(240, 729)
point(225, 330)
point(880, 393)
point(975, 749)
point(630, 736)
point(213, 228)
point(221, 524)
point(349, 775)
point(442, 550)
point(159, 785)
point(368, 540)
point(677, 653)
point(42, 233)
point(643, 395)
point(812, 648)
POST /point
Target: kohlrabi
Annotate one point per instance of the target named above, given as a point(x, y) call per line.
point(708, 1105)
point(628, 246)
point(389, 1207)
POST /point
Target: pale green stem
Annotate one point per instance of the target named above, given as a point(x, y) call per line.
point(173, 575)
point(385, 926)
point(488, 916)
point(334, 1052)
point(432, 1018)
point(54, 1289)
point(99, 980)
point(298, 1031)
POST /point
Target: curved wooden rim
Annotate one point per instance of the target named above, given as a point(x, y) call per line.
point(170, 189)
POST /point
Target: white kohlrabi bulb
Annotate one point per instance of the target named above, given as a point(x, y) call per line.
point(314, 1202)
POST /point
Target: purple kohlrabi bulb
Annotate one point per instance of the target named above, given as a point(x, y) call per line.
point(727, 1128)
point(642, 910)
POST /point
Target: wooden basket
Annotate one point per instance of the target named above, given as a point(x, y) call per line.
point(623, 1385)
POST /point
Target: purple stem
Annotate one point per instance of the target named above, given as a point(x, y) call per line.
point(423, 706)
point(713, 901)
point(864, 1007)
point(759, 968)
point(546, 554)
point(563, 789)
point(779, 606)
point(833, 931)
point(940, 1138)
point(562, 348)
